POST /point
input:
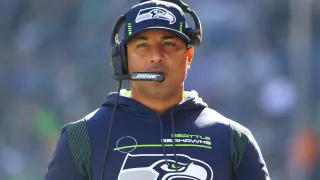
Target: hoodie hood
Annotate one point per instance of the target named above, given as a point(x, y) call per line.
point(191, 102)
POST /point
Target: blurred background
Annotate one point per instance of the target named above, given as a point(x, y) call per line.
point(262, 59)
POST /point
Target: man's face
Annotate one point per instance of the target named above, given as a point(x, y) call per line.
point(159, 51)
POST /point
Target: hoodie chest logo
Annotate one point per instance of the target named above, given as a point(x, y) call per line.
point(154, 167)
point(160, 166)
point(155, 13)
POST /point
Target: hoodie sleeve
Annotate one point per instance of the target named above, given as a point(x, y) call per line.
point(62, 166)
point(252, 165)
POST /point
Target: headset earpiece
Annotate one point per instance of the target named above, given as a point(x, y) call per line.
point(123, 52)
point(118, 51)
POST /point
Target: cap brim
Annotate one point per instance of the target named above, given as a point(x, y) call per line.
point(178, 33)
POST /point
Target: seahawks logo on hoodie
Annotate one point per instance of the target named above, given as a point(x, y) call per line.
point(154, 167)
point(155, 13)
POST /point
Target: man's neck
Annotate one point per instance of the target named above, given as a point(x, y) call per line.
point(160, 105)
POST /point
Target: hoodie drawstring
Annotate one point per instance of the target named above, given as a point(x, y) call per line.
point(163, 148)
point(174, 140)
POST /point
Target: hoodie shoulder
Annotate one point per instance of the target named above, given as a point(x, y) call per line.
point(84, 120)
point(72, 156)
point(246, 157)
point(210, 117)
point(99, 113)
point(78, 136)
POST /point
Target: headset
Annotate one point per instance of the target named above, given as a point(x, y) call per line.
point(119, 61)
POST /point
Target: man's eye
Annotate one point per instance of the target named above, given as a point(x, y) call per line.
point(169, 44)
point(142, 45)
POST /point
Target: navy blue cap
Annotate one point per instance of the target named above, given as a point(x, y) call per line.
point(155, 15)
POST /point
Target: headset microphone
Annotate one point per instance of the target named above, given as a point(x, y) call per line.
point(141, 76)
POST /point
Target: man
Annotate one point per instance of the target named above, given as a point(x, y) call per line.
point(160, 131)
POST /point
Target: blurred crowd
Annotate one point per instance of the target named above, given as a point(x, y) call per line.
point(54, 69)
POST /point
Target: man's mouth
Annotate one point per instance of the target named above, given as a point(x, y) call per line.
point(157, 71)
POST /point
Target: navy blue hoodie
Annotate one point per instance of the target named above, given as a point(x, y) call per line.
point(188, 141)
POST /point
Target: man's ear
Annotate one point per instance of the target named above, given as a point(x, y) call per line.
point(190, 54)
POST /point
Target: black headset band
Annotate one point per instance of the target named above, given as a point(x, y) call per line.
point(198, 28)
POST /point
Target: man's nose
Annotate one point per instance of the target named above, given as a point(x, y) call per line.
point(156, 54)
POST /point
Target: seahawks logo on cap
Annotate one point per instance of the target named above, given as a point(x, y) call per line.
point(155, 13)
